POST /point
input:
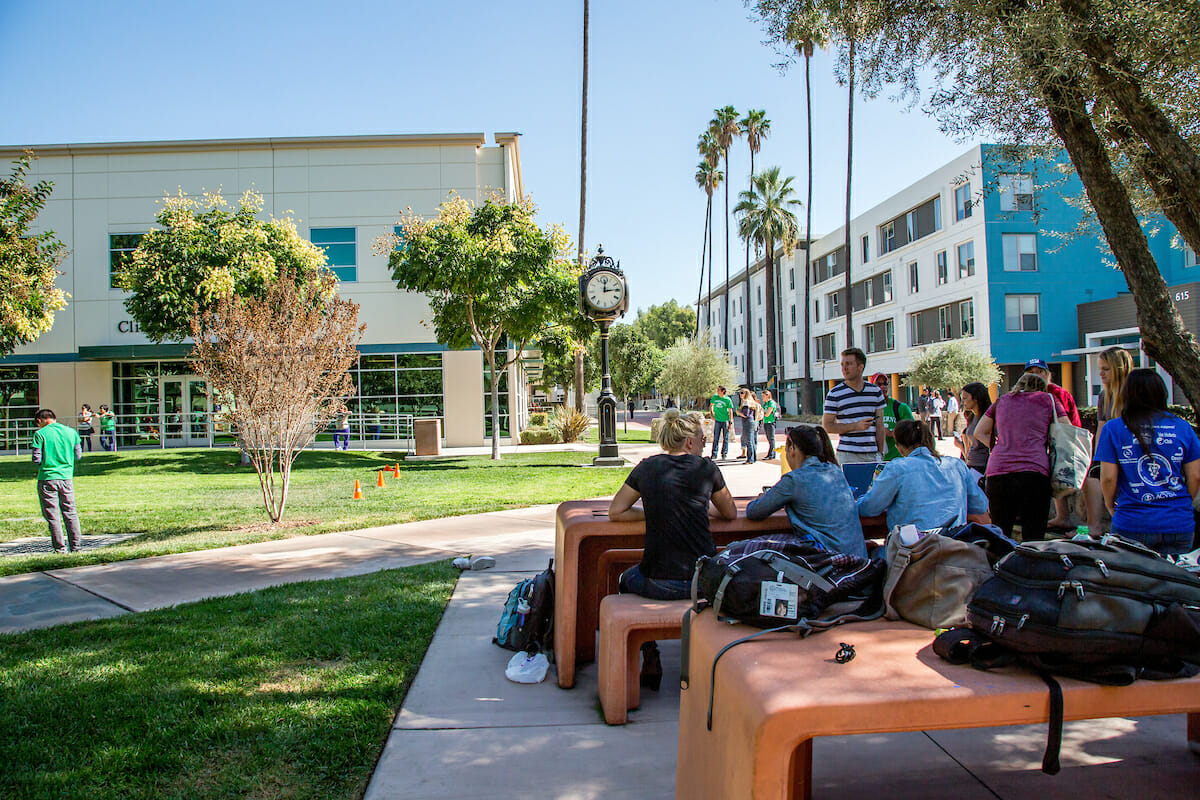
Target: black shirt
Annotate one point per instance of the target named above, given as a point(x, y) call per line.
point(675, 493)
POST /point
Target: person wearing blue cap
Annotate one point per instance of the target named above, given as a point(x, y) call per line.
point(1062, 511)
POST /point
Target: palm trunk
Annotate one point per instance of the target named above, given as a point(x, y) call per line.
point(849, 165)
point(725, 328)
point(810, 400)
point(769, 279)
point(749, 337)
point(700, 293)
point(579, 388)
point(708, 305)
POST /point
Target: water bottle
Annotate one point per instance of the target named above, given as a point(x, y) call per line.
point(522, 611)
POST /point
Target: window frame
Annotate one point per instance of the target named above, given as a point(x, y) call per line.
point(914, 277)
point(943, 268)
point(346, 273)
point(119, 257)
point(962, 202)
point(1018, 240)
point(965, 269)
point(1009, 184)
point(1021, 314)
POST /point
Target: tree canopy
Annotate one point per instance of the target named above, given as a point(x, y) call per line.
point(490, 275)
point(203, 252)
point(666, 324)
point(692, 370)
point(952, 366)
point(28, 261)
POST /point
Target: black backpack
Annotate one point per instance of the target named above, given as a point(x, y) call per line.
point(1107, 610)
point(527, 622)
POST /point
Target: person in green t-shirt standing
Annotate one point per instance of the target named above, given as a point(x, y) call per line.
point(108, 429)
point(893, 412)
point(722, 413)
point(56, 448)
point(770, 408)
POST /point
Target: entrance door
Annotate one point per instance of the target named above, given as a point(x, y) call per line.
point(184, 415)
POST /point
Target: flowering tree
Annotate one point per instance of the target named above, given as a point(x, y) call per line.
point(28, 261)
point(492, 276)
point(203, 252)
point(280, 363)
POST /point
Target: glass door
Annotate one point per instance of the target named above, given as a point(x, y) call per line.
point(184, 417)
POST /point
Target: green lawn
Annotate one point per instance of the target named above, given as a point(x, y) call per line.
point(182, 500)
point(286, 692)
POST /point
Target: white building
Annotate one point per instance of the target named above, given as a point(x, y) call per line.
point(343, 192)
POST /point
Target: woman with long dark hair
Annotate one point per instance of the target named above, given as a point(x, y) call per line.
point(1018, 470)
point(815, 494)
point(1150, 467)
point(975, 403)
point(921, 487)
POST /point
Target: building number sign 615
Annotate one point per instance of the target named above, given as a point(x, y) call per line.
point(1184, 295)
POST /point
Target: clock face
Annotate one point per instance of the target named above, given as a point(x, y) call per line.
point(605, 291)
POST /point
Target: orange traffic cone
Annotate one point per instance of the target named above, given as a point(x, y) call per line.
point(357, 491)
point(379, 480)
point(396, 470)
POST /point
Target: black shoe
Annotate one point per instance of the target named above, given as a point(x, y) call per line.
point(652, 671)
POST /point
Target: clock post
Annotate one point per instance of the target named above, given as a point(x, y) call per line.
point(604, 296)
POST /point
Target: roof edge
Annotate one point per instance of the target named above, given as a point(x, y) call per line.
point(270, 143)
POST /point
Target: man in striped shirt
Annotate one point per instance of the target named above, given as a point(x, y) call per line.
point(854, 411)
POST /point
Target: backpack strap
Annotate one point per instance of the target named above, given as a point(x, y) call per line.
point(804, 578)
point(1050, 764)
point(712, 678)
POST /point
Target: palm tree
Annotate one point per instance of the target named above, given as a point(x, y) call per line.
point(707, 178)
point(767, 220)
point(851, 35)
point(806, 46)
point(709, 181)
point(724, 127)
point(579, 390)
point(757, 127)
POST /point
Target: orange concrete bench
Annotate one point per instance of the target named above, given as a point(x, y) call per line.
point(774, 694)
point(613, 562)
point(626, 622)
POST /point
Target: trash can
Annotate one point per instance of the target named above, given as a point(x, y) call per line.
point(427, 435)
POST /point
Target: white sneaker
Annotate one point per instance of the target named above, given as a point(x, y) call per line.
point(482, 562)
point(462, 562)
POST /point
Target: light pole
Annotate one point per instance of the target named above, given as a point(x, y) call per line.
point(604, 296)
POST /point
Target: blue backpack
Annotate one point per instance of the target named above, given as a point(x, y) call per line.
point(527, 623)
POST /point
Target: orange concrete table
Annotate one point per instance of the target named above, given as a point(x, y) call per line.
point(582, 532)
point(775, 693)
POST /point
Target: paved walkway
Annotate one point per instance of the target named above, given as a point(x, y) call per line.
point(467, 732)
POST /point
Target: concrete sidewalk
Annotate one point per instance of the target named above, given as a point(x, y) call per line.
point(466, 732)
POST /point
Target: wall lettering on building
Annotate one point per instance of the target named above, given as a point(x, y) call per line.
point(1184, 295)
point(128, 326)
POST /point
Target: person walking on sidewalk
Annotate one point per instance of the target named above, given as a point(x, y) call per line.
point(56, 448)
point(721, 410)
point(769, 409)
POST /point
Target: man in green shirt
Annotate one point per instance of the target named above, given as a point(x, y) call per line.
point(56, 448)
point(108, 429)
point(893, 412)
point(770, 408)
point(722, 412)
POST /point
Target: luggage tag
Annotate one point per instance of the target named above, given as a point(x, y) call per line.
point(778, 599)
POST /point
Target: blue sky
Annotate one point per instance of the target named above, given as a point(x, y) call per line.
point(136, 71)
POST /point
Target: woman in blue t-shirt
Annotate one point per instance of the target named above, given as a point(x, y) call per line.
point(1150, 467)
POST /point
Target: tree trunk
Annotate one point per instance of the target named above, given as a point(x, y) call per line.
point(495, 392)
point(703, 250)
point(1154, 173)
point(708, 305)
point(749, 334)
point(849, 164)
point(1174, 159)
point(725, 328)
point(579, 388)
point(1163, 335)
point(810, 394)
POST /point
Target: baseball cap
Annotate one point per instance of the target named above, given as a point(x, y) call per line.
point(875, 378)
point(1036, 363)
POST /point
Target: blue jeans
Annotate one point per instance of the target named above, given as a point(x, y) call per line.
point(634, 582)
point(108, 441)
point(1161, 543)
point(769, 430)
point(341, 438)
point(721, 433)
point(750, 439)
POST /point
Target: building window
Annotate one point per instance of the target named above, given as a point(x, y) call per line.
point(1189, 256)
point(19, 401)
point(945, 323)
point(120, 254)
point(866, 248)
point(1021, 312)
point(760, 359)
point(341, 250)
point(793, 314)
point(879, 336)
point(966, 315)
point(827, 347)
point(816, 310)
point(943, 272)
point(794, 351)
point(760, 295)
point(914, 284)
point(835, 304)
point(887, 287)
point(916, 224)
point(887, 238)
point(962, 202)
point(1020, 252)
point(966, 259)
point(760, 328)
point(889, 335)
point(828, 265)
point(1016, 192)
point(791, 278)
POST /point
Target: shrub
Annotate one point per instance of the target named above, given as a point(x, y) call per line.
point(537, 419)
point(538, 435)
point(569, 424)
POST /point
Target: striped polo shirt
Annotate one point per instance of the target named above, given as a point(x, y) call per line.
point(851, 406)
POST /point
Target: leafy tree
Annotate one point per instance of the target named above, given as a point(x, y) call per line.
point(204, 252)
point(28, 261)
point(1114, 83)
point(280, 363)
point(666, 324)
point(490, 273)
point(634, 360)
point(767, 221)
point(724, 128)
point(693, 371)
point(952, 365)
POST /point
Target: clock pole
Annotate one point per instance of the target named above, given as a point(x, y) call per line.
point(606, 410)
point(604, 296)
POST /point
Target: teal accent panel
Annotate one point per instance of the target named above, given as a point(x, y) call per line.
point(346, 274)
point(340, 255)
point(331, 235)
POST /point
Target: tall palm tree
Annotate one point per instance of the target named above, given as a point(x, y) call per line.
point(766, 219)
point(756, 127)
point(806, 46)
point(579, 389)
point(724, 127)
point(851, 35)
point(710, 150)
point(707, 178)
